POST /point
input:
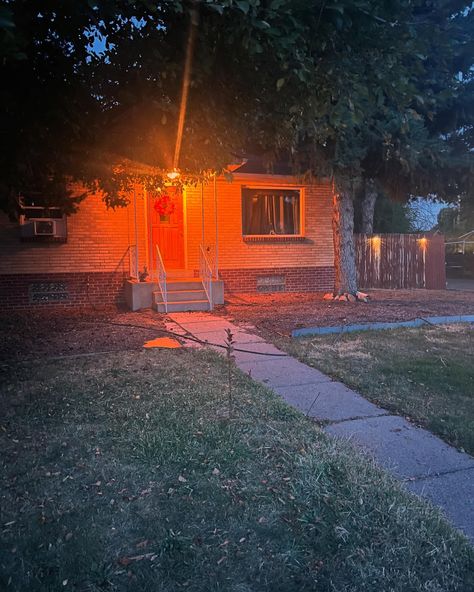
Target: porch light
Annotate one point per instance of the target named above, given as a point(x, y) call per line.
point(174, 174)
point(376, 242)
point(423, 242)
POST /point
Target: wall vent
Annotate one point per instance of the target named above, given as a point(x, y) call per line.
point(44, 292)
point(271, 283)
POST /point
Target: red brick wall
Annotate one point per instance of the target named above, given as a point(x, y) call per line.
point(297, 279)
point(83, 289)
point(98, 239)
point(95, 259)
point(316, 250)
point(93, 263)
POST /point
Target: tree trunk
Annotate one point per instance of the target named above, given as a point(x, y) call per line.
point(368, 207)
point(343, 236)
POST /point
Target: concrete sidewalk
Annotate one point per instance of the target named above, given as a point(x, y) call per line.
point(427, 465)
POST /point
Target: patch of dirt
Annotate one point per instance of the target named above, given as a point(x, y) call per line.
point(351, 349)
point(61, 333)
point(457, 328)
point(281, 313)
point(441, 338)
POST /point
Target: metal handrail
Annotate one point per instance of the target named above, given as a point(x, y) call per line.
point(133, 261)
point(206, 272)
point(211, 256)
point(161, 275)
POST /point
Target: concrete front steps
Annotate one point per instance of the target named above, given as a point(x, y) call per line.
point(184, 294)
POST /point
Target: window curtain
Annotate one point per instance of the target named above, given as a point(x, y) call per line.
point(270, 212)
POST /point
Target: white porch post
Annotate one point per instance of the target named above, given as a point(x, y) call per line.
point(148, 259)
point(137, 267)
point(216, 254)
point(202, 213)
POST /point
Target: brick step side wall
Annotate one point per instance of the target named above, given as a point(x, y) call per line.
point(61, 290)
point(297, 279)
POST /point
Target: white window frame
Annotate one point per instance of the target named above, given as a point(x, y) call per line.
point(271, 187)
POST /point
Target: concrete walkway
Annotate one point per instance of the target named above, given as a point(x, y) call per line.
point(427, 465)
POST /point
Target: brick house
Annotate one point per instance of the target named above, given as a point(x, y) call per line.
point(259, 232)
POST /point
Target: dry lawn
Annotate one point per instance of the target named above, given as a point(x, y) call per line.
point(121, 473)
point(426, 374)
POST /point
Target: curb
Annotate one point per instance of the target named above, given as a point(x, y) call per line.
point(418, 322)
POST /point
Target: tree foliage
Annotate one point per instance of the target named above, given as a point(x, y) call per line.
point(457, 219)
point(346, 88)
point(389, 216)
point(448, 220)
point(72, 111)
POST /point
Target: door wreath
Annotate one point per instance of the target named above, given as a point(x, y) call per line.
point(164, 204)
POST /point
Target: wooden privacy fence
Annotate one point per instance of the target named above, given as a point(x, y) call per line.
point(400, 261)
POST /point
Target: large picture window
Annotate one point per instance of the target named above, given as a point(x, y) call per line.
point(267, 212)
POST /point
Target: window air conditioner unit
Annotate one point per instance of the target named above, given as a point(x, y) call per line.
point(44, 227)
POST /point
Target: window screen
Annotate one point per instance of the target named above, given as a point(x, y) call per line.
point(270, 211)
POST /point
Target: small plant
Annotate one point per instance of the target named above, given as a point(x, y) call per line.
point(229, 344)
point(142, 275)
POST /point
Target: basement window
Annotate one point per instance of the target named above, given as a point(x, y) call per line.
point(271, 212)
point(271, 283)
point(47, 292)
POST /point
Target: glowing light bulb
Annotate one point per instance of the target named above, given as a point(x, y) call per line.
point(174, 174)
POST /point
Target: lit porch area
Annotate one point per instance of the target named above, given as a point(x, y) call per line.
point(174, 250)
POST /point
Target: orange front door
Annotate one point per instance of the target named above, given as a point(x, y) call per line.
point(166, 222)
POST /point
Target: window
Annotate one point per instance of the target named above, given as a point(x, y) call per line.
point(271, 212)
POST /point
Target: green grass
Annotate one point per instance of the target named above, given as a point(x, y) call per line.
point(124, 472)
point(426, 374)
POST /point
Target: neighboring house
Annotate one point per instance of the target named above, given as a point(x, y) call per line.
point(260, 232)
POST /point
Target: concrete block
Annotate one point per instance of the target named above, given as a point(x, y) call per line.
point(454, 493)
point(191, 319)
point(404, 449)
point(276, 372)
point(241, 339)
point(182, 305)
point(139, 295)
point(204, 327)
point(331, 401)
point(263, 351)
point(218, 291)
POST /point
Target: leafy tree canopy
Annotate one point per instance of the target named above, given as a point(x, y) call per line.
point(448, 219)
point(349, 88)
point(457, 219)
point(389, 216)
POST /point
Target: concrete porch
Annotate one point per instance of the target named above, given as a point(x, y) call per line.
point(184, 293)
